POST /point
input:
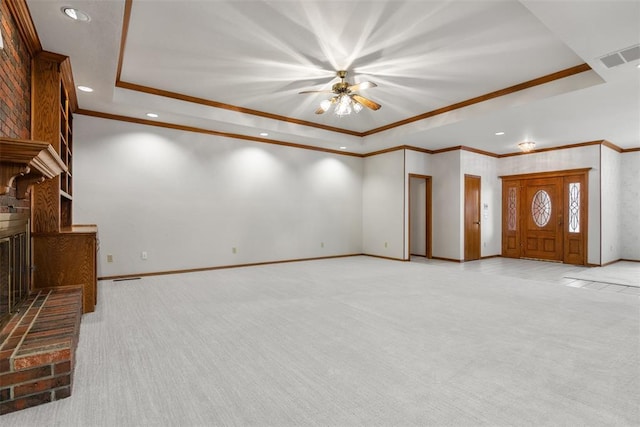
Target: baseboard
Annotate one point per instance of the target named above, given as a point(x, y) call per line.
point(386, 257)
point(220, 267)
point(618, 260)
point(447, 259)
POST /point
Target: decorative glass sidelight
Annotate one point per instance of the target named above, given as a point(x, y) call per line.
point(574, 207)
point(541, 208)
point(512, 210)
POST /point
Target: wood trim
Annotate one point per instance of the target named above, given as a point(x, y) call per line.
point(429, 213)
point(561, 147)
point(405, 190)
point(418, 149)
point(126, 18)
point(51, 56)
point(465, 148)
point(67, 80)
point(196, 100)
point(20, 12)
point(477, 151)
point(491, 256)
point(448, 259)
point(599, 202)
point(629, 260)
point(309, 147)
point(221, 267)
point(216, 104)
point(550, 174)
point(444, 150)
point(160, 92)
point(386, 150)
point(612, 146)
point(496, 94)
point(211, 132)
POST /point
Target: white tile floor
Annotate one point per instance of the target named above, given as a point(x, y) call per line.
point(540, 270)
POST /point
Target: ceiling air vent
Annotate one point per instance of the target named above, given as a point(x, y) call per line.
point(622, 56)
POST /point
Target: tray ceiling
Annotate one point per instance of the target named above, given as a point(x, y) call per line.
point(237, 67)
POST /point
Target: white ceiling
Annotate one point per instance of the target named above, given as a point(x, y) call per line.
point(423, 55)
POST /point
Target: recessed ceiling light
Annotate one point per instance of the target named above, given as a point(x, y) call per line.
point(343, 148)
point(264, 134)
point(499, 133)
point(75, 14)
point(152, 115)
point(85, 88)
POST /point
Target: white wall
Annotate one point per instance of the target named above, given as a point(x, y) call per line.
point(187, 199)
point(486, 168)
point(569, 158)
point(611, 204)
point(383, 204)
point(447, 206)
point(630, 206)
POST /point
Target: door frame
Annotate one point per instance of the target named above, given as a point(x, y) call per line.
point(583, 175)
point(429, 215)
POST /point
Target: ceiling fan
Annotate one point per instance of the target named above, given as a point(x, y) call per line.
point(345, 98)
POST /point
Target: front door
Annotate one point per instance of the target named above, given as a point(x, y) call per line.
point(471, 217)
point(543, 217)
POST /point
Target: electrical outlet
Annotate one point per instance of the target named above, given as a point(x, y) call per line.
point(144, 255)
point(234, 250)
point(109, 258)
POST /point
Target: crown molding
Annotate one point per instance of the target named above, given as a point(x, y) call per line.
point(22, 17)
point(194, 129)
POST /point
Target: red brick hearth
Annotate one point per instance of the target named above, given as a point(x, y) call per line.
point(37, 354)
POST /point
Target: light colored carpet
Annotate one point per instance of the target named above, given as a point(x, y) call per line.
point(621, 273)
point(351, 342)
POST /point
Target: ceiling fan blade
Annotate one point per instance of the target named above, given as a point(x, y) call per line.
point(315, 91)
point(362, 85)
point(366, 102)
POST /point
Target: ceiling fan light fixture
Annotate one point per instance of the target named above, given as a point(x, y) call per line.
point(527, 146)
point(344, 106)
point(345, 97)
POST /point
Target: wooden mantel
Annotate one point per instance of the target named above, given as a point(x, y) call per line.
point(27, 162)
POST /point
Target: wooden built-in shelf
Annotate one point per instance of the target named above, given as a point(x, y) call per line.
point(27, 162)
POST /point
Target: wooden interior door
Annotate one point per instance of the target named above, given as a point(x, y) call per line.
point(471, 217)
point(542, 219)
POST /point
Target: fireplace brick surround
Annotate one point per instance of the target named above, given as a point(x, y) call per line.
point(37, 350)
